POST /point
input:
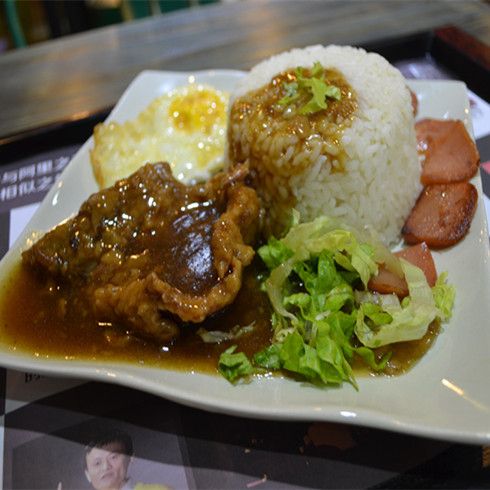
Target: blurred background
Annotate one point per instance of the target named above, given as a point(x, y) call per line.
point(26, 22)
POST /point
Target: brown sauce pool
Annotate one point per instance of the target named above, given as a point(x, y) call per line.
point(31, 322)
point(404, 354)
point(55, 325)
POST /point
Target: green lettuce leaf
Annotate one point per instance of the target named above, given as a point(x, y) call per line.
point(410, 320)
point(311, 291)
point(323, 313)
point(369, 358)
point(444, 295)
point(234, 366)
point(274, 253)
point(269, 358)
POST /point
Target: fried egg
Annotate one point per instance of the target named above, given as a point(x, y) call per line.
point(185, 127)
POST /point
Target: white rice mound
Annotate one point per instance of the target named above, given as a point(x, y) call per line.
point(381, 181)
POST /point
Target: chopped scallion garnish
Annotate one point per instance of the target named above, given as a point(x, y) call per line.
point(313, 86)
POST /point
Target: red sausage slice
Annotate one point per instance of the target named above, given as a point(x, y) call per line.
point(442, 215)
point(450, 153)
point(386, 282)
point(415, 103)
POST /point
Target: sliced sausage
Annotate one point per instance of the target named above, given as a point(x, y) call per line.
point(442, 215)
point(450, 155)
point(386, 282)
point(415, 103)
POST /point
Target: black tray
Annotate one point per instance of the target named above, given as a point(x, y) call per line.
point(452, 52)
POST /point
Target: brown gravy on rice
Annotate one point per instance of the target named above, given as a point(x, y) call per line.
point(271, 123)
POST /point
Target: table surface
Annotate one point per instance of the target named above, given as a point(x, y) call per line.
point(73, 76)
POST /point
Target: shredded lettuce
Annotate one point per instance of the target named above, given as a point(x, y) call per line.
point(275, 253)
point(218, 336)
point(444, 295)
point(234, 366)
point(324, 315)
point(269, 358)
point(409, 320)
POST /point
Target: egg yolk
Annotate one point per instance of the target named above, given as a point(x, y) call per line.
point(198, 110)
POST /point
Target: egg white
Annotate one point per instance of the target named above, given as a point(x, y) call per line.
point(185, 127)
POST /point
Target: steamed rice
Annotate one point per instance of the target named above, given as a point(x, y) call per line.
point(377, 180)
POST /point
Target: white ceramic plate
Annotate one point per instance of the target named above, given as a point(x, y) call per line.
point(446, 395)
